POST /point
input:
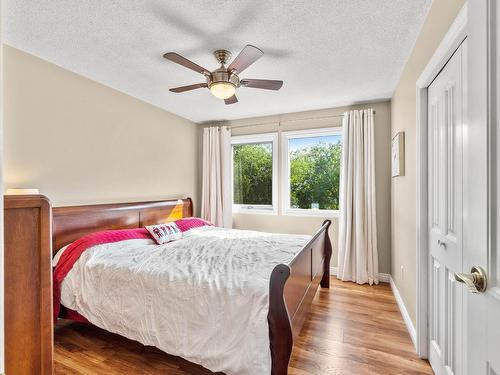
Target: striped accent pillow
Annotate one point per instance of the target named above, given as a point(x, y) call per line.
point(163, 233)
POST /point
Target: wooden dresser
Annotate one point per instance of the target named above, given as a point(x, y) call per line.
point(28, 285)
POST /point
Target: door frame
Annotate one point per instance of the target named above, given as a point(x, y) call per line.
point(451, 41)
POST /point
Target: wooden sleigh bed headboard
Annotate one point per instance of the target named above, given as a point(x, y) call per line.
point(71, 223)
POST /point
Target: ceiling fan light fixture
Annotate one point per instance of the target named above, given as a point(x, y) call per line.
point(222, 90)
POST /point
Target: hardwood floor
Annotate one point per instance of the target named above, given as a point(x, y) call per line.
point(351, 329)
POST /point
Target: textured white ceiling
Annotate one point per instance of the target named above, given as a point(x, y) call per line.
point(328, 52)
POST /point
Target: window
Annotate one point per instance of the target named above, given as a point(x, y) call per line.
point(311, 171)
point(254, 173)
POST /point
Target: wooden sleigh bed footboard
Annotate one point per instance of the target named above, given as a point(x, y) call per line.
point(292, 288)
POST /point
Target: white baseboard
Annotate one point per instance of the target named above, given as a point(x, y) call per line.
point(404, 312)
point(382, 277)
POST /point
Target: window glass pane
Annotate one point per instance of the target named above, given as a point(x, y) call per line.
point(315, 172)
point(253, 173)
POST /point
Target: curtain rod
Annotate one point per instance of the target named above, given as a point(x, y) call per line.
point(280, 121)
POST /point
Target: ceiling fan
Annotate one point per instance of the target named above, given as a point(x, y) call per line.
point(223, 81)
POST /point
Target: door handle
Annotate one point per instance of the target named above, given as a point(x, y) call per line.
point(476, 281)
point(442, 243)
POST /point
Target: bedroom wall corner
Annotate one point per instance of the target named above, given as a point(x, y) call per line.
point(403, 114)
point(80, 142)
point(199, 169)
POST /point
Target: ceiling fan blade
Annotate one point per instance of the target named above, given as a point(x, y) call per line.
point(231, 100)
point(248, 55)
point(266, 84)
point(176, 58)
point(188, 88)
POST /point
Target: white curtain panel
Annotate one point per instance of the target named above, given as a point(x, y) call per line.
point(357, 253)
point(216, 202)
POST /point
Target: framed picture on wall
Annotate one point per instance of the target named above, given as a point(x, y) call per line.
point(398, 155)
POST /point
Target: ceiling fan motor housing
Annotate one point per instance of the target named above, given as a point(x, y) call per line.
point(222, 75)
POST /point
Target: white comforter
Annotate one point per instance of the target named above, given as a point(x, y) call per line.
point(203, 298)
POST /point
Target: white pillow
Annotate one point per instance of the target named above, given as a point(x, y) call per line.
point(58, 255)
point(163, 233)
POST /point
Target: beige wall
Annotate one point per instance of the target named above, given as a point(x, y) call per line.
point(308, 224)
point(440, 17)
point(81, 142)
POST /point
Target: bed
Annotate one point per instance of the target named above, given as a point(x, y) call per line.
point(296, 266)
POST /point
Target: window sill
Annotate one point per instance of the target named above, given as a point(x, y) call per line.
point(312, 213)
point(306, 213)
point(254, 211)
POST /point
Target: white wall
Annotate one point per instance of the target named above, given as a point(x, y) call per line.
point(308, 224)
point(80, 142)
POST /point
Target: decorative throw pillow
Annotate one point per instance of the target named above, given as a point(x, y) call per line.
point(191, 222)
point(163, 233)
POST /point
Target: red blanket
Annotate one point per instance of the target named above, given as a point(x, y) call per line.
point(76, 249)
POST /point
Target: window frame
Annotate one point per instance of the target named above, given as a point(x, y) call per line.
point(252, 139)
point(285, 170)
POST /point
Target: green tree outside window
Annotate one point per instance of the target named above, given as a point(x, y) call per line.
point(253, 173)
point(314, 173)
point(315, 176)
